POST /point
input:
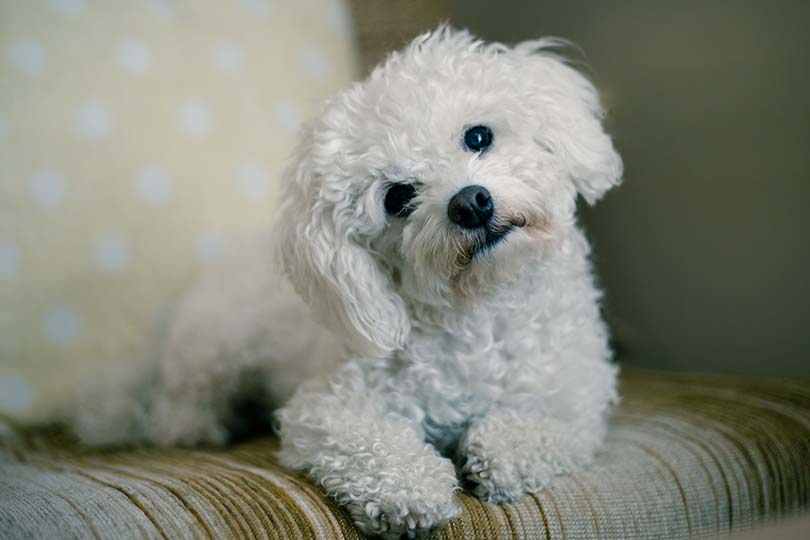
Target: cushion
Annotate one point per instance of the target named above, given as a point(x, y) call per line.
point(136, 138)
point(685, 457)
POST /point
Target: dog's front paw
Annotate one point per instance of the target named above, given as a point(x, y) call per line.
point(505, 456)
point(395, 516)
point(500, 478)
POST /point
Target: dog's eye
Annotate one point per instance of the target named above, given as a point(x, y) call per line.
point(398, 198)
point(478, 139)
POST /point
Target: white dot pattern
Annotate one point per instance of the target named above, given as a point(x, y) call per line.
point(287, 116)
point(93, 121)
point(258, 8)
point(316, 63)
point(253, 180)
point(48, 188)
point(111, 251)
point(68, 8)
point(194, 118)
point(210, 245)
point(62, 325)
point(133, 56)
point(228, 57)
point(338, 18)
point(28, 57)
point(154, 185)
point(137, 140)
point(16, 393)
point(161, 9)
point(9, 259)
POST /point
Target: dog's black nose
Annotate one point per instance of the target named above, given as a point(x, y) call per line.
point(471, 207)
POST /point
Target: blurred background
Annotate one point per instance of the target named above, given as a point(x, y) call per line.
point(137, 138)
point(703, 252)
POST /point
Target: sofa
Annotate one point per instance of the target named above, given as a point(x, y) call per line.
point(687, 456)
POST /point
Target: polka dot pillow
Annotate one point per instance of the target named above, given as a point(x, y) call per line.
point(136, 138)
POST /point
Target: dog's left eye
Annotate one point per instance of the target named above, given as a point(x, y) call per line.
point(398, 198)
point(478, 139)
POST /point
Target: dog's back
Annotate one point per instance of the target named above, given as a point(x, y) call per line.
point(239, 343)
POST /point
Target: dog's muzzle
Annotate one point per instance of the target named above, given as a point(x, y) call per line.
point(471, 208)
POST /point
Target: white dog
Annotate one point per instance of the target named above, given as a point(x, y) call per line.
point(429, 224)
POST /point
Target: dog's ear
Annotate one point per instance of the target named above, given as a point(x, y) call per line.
point(569, 116)
point(321, 239)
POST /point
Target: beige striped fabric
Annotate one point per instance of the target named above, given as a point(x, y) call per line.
point(686, 457)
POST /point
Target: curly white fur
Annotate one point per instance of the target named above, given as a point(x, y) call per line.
point(435, 361)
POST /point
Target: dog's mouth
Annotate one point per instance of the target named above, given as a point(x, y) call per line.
point(489, 237)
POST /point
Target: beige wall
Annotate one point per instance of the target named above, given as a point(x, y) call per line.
point(704, 251)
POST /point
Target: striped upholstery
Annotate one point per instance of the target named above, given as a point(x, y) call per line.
point(686, 457)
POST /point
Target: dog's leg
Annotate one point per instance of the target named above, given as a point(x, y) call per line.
point(220, 348)
point(518, 448)
point(190, 402)
point(372, 461)
point(506, 454)
point(175, 402)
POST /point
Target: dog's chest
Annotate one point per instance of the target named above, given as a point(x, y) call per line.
point(447, 380)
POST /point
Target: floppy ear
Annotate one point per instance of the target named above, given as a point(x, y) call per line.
point(570, 116)
point(320, 235)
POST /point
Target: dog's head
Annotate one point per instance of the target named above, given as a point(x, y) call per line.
point(439, 178)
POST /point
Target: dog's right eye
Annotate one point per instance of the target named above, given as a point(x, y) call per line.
point(478, 139)
point(398, 198)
